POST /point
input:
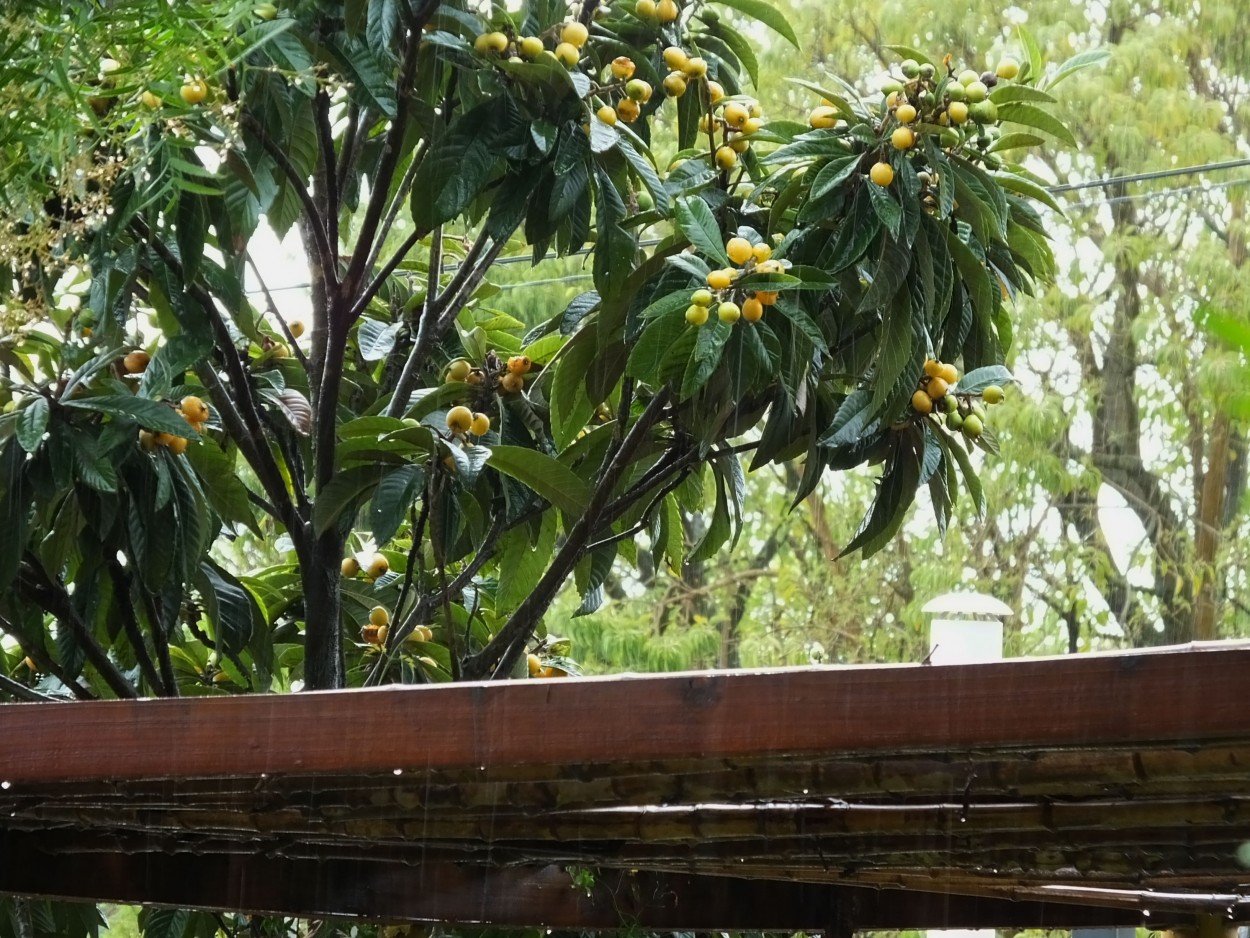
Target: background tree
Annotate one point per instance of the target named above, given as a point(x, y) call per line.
point(1118, 494)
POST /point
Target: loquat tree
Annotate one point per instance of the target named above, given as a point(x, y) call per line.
point(199, 496)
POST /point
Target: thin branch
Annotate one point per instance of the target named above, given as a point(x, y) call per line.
point(22, 692)
point(52, 596)
point(273, 311)
point(379, 281)
point(161, 641)
point(316, 222)
point(355, 133)
point(121, 589)
point(505, 648)
point(44, 661)
point(329, 171)
point(397, 202)
point(252, 439)
point(390, 154)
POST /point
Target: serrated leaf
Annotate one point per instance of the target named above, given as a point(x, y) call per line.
point(907, 52)
point(219, 477)
point(833, 174)
point(521, 564)
point(391, 499)
point(706, 355)
point(32, 423)
point(1005, 92)
point(977, 380)
point(151, 415)
point(1014, 141)
point(547, 477)
point(342, 492)
point(1032, 116)
point(1078, 62)
point(1028, 188)
point(641, 165)
point(571, 406)
point(767, 14)
point(376, 339)
point(700, 227)
point(294, 407)
point(849, 423)
point(887, 209)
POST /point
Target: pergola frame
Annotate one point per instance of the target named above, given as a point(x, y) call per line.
point(1087, 790)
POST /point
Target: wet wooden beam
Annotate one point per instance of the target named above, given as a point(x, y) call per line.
point(515, 896)
point(1115, 700)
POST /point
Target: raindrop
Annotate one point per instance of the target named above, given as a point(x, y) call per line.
point(6, 785)
point(805, 791)
point(1146, 913)
point(399, 771)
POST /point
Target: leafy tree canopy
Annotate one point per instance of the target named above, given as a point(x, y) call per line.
point(427, 469)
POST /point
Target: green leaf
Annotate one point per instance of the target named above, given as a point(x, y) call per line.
point(896, 491)
point(391, 499)
point(708, 348)
point(1006, 92)
point(1028, 188)
point(656, 339)
point(767, 14)
point(974, 274)
point(1031, 68)
point(803, 322)
point(151, 415)
point(229, 607)
point(971, 482)
point(1078, 62)
point(521, 564)
point(546, 476)
point(849, 423)
point(227, 495)
point(887, 209)
point(740, 46)
point(14, 510)
point(1032, 116)
point(977, 380)
point(32, 422)
point(833, 174)
point(700, 227)
point(342, 492)
point(907, 52)
point(1015, 141)
point(571, 406)
point(641, 165)
point(896, 349)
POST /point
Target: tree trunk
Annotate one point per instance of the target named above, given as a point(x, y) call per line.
point(320, 561)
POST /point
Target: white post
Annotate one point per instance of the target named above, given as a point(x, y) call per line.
point(967, 628)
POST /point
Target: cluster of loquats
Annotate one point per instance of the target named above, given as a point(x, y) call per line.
point(462, 422)
point(567, 43)
point(733, 303)
point(509, 378)
point(375, 631)
point(955, 106)
point(377, 567)
point(964, 412)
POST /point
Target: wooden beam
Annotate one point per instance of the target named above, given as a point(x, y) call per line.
point(1115, 700)
point(514, 896)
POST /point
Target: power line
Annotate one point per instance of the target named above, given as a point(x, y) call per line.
point(1104, 183)
point(1109, 181)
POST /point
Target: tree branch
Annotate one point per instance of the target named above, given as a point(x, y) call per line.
point(316, 224)
point(52, 596)
point(397, 202)
point(44, 661)
point(22, 692)
point(329, 171)
point(390, 154)
point(273, 311)
point(121, 589)
point(505, 648)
